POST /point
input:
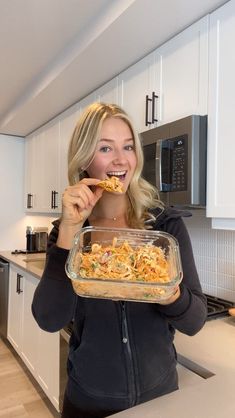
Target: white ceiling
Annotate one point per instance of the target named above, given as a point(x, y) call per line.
point(55, 52)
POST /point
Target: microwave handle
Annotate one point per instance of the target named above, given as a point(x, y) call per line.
point(158, 165)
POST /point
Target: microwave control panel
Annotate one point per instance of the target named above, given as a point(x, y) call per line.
point(174, 164)
point(179, 162)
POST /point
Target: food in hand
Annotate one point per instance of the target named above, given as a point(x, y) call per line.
point(112, 184)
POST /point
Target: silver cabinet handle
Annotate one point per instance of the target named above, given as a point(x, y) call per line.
point(18, 279)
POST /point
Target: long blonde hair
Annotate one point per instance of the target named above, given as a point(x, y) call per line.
point(141, 194)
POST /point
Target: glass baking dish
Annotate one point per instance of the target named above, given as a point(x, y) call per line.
point(124, 264)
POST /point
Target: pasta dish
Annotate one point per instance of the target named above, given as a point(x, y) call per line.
point(124, 264)
point(146, 263)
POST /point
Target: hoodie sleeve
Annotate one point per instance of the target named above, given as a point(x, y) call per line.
point(54, 299)
point(188, 313)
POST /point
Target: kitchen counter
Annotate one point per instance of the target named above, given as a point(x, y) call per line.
point(31, 263)
point(214, 349)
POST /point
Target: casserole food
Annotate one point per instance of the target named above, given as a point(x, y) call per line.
point(124, 264)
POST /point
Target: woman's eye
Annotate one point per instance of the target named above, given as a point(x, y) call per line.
point(129, 147)
point(105, 149)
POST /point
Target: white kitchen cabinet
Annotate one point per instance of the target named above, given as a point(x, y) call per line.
point(67, 124)
point(108, 93)
point(29, 157)
point(82, 104)
point(184, 73)
point(22, 328)
point(42, 170)
point(48, 361)
point(221, 111)
point(14, 331)
point(38, 349)
point(135, 83)
point(33, 172)
point(50, 161)
point(29, 328)
point(173, 80)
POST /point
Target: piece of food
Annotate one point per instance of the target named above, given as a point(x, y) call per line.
point(112, 184)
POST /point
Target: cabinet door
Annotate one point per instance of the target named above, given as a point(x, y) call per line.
point(42, 170)
point(48, 365)
point(184, 73)
point(50, 161)
point(221, 144)
point(108, 93)
point(14, 331)
point(30, 330)
point(82, 104)
point(34, 172)
point(67, 125)
point(135, 83)
point(29, 160)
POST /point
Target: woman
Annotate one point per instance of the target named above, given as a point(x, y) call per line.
point(106, 372)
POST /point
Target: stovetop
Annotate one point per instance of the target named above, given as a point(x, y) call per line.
point(217, 307)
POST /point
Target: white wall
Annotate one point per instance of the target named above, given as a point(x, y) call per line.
point(13, 220)
point(11, 190)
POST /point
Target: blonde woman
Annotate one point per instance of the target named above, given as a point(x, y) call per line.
point(121, 353)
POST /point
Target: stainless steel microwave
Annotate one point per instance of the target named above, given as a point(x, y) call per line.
point(175, 160)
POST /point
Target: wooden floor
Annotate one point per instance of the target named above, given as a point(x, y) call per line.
point(20, 395)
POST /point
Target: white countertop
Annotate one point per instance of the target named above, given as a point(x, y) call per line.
point(214, 349)
point(31, 263)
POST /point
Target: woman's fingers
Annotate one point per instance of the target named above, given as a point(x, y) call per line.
point(83, 195)
point(79, 200)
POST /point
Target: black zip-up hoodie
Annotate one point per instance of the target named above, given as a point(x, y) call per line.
point(121, 352)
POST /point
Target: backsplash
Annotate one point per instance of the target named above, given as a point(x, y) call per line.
point(214, 252)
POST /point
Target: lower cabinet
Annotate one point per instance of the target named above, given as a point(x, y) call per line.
point(38, 349)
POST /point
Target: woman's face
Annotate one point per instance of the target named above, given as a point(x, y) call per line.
point(115, 153)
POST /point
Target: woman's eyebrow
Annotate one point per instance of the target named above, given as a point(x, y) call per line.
point(112, 140)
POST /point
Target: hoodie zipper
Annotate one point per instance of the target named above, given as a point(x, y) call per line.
point(129, 356)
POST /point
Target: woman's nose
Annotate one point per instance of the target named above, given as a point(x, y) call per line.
point(119, 157)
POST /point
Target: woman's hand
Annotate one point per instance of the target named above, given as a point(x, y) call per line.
point(172, 298)
point(78, 202)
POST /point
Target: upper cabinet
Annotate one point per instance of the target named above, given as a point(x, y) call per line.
point(82, 104)
point(108, 93)
point(67, 124)
point(221, 111)
point(42, 169)
point(169, 83)
point(136, 90)
point(183, 63)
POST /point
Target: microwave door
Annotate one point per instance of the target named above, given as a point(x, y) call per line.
point(163, 169)
point(163, 165)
